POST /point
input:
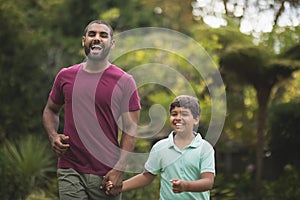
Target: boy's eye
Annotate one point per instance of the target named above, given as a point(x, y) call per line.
point(173, 114)
point(185, 114)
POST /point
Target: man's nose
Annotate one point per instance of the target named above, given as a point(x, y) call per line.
point(98, 38)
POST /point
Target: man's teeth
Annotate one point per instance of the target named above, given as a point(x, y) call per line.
point(178, 124)
point(97, 47)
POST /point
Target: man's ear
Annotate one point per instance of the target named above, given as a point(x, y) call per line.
point(82, 41)
point(113, 44)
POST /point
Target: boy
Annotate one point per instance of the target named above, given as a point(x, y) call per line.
point(184, 160)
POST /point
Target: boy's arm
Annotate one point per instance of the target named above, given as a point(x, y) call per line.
point(205, 183)
point(127, 144)
point(138, 181)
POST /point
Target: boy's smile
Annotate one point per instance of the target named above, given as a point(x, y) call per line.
point(182, 120)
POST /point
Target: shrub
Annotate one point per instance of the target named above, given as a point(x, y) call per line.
point(285, 187)
point(25, 166)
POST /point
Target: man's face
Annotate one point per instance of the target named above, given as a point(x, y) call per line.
point(97, 42)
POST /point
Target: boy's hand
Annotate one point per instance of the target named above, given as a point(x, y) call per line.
point(178, 185)
point(116, 178)
point(108, 186)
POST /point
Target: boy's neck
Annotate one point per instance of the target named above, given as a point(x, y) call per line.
point(182, 140)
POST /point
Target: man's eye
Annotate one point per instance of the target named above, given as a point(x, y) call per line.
point(91, 34)
point(104, 35)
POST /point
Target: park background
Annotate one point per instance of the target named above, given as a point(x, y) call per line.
point(255, 45)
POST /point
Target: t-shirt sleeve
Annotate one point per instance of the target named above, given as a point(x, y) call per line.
point(56, 93)
point(207, 163)
point(131, 102)
point(152, 165)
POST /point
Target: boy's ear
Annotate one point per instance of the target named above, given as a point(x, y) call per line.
point(196, 120)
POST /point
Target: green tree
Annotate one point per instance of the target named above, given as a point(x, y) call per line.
point(22, 62)
point(256, 66)
point(285, 141)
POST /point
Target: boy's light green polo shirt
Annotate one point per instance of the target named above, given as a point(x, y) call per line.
point(168, 160)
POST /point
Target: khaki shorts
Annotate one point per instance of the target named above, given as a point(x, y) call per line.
point(75, 186)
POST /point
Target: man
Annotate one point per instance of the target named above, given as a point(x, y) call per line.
point(96, 96)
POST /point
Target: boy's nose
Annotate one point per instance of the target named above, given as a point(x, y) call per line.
point(179, 117)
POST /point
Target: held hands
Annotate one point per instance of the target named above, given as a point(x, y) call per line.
point(59, 144)
point(109, 185)
point(178, 185)
point(112, 182)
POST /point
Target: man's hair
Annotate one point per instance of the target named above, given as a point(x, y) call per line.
point(188, 102)
point(99, 22)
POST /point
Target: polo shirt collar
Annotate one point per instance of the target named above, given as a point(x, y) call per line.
point(194, 144)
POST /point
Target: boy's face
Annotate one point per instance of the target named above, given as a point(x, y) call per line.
point(182, 120)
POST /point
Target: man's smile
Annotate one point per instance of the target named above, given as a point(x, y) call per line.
point(96, 48)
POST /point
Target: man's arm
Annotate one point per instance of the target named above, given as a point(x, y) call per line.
point(51, 124)
point(127, 144)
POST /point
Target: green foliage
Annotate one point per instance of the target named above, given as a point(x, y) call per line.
point(40, 37)
point(240, 120)
point(40, 195)
point(285, 187)
point(21, 68)
point(223, 189)
point(25, 165)
point(281, 39)
point(240, 186)
point(284, 138)
point(215, 41)
point(150, 191)
point(290, 90)
point(248, 63)
point(256, 65)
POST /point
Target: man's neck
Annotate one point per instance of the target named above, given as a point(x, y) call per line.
point(95, 66)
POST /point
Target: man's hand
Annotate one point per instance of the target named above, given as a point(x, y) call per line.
point(59, 144)
point(116, 179)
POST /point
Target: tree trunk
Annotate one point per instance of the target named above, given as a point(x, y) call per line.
point(263, 95)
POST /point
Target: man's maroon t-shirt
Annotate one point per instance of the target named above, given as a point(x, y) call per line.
point(93, 104)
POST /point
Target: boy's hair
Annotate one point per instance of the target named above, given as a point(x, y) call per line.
point(188, 102)
point(99, 22)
